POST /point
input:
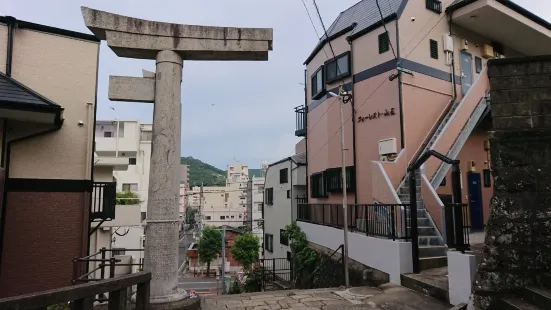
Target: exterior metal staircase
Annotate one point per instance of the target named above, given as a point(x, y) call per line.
point(432, 249)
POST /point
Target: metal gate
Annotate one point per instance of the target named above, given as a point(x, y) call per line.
point(277, 273)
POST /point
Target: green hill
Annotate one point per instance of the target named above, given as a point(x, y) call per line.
point(255, 173)
point(200, 172)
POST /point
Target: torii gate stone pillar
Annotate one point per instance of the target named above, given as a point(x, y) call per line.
point(169, 44)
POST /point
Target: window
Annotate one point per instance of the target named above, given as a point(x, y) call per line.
point(107, 134)
point(260, 207)
point(333, 179)
point(146, 135)
point(222, 217)
point(269, 196)
point(283, 175)
point(288, 193)
point(144, 216)
point(130, 187)
point(478, 64)
point(289, 256)
point(269, 242)
point(132, 161)
point(232, 216)
point(282, 239)
point(118, 251)
point(207, 217)
point(318, 185)
point(318, 83)
point(433, 49)
point(240, 215)
point(443, 182)
point(434, 5)
point(384, 43)
point(338, 68)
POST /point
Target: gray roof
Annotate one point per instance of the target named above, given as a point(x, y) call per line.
point(14, 93)
point(299, 158)
point(364, 13)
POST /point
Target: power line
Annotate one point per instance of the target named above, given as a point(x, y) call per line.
point(386, 30)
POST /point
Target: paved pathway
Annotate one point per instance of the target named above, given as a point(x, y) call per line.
point(389, 297)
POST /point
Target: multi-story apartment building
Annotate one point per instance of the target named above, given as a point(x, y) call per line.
point(417, 74)
point(215, 206)
point(48, 87)
point(284, 188)
point(255, 204)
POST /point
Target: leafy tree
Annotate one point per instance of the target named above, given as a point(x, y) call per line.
point(245, 249)
point(209, 246)
point(128, 198)
point(304, 257)
point(235, 288)
point(190, 216)
point(253, 283)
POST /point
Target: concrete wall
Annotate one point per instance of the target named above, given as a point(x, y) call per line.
point(391, 257)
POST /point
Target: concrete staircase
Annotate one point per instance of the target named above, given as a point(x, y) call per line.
point(432, 250)
point(530, 298)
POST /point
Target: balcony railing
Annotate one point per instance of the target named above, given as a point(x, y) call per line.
point(104, 197)
point(104, 264)
point(82, 296)
point(300, 114)
point(376, 220)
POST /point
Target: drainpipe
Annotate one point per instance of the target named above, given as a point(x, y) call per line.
point(454, 89)
point(400, 95)
point(7, 180)
point(9, 53)
point(291, 169)
point(351, 58)
point(306, 126)
point(4, 143)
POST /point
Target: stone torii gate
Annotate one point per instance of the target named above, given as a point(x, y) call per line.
point(169, 44)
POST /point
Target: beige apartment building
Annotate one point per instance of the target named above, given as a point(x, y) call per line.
point(48, 86)
point(417, 73)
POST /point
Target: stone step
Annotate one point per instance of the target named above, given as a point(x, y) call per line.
point(537, 296)
point(433, 250)
point(517, 304)
point(424, 231)
point(426, 263)
point(418, 283)
point(430, 240)
point(421, 213)
point(424, 221)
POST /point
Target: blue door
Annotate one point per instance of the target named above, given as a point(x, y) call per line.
point(475, 201)
point(466, 72)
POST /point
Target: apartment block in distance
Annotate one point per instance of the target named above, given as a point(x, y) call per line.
point(284, 188)
point(48, 86)
point(419, 84)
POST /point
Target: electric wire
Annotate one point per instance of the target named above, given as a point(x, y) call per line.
point(386, 30)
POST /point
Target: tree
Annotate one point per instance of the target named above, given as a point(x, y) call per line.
point(127, 198)
point(245, 249)
point(304, 258)
point(209, 246)
point(190, 217)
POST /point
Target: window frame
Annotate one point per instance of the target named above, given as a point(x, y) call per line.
point(269, 242)
point(317, 181)
point(132, 161)
point(337, 75)
point(433, 49)
point(269, 196)
point(434, 6)
point(282, 239)
point(478, 64)
point(382, 49)
point(320, 90)
point(284, 176)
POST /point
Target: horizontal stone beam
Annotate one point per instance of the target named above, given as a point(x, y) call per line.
point(138, 38)
point(146, 47)
point(131, 89)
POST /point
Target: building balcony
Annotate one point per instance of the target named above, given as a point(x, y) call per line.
point(300, 114)
point(104, 196)
point(504, 22)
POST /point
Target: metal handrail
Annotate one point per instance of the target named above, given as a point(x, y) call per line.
point(340, 248)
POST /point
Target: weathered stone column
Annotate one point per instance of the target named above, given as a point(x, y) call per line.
point(517, 249)
point(161, 243)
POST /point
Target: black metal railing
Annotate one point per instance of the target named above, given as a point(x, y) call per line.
point(300, 114)
point(101, 265)
point(457, 226)
point(377, 220)
point(104, 197)
point(434, 5)
point(274, 270)
point(330, 273)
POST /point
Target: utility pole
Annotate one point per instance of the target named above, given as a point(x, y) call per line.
point(344, 195)
point(223, 260)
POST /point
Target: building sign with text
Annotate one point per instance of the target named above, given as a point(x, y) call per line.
point(376, 115)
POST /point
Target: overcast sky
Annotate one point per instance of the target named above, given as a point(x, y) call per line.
point(230, 109)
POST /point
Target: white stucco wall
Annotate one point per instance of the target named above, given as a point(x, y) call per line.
point(392, 257)
point(461, 273)
point(283, 210)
